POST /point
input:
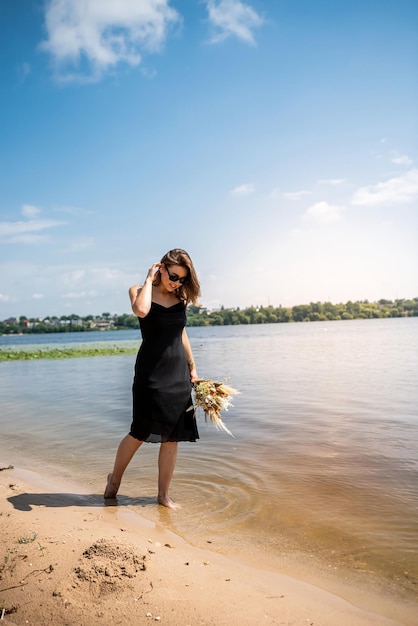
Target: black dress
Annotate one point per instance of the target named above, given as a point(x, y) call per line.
point(162, 389)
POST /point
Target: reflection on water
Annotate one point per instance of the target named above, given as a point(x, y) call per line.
point(324, 459)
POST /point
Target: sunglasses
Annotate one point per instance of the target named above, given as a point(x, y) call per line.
point(175, 278)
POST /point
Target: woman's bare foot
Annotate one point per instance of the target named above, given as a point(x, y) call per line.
point(166, 501)
point(111, 488)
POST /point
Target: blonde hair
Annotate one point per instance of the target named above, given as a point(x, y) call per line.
point(189, 293)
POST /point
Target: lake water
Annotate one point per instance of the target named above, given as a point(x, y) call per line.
point(325, 456)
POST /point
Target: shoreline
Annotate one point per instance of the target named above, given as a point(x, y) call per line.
point(68, 558)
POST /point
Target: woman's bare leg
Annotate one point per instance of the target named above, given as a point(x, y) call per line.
point(166, 463)
point(127, 448)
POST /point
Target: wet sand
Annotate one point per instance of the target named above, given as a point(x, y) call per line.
point(68, 559)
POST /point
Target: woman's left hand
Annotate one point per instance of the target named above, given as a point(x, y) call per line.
point(193, 375)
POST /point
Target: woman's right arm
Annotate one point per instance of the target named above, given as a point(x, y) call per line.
point(141, 297)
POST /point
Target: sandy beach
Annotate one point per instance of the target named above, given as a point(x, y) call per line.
point(68, 559)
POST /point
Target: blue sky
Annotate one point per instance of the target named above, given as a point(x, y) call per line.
point(275, 140)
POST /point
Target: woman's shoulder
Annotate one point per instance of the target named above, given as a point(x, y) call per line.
point(134, 292)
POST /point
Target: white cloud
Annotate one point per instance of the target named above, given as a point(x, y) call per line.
point(295, 195)
point(88, 288)
point(74, 276)
point(10, 229)
point(91, 282)
point(324, 213)
point(79, 295)
point(232, 18)
point(243, 190)
point(331, 181)
point(401, 159)
point(38, 296)
point(28, 210)
point(399, 190)
point(27, 231)
point(90, 279)
point(88, 37)
point(30, 239)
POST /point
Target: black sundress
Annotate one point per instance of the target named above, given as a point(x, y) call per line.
point(161, 389)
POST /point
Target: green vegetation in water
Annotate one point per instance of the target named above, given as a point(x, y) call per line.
point(64, 353)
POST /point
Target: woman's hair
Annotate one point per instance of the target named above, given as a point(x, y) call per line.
point(190, 292)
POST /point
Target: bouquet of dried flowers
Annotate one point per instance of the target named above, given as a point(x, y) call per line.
point(213, 397)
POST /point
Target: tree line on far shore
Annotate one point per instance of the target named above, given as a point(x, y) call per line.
point(199, 316)
point(312, 312)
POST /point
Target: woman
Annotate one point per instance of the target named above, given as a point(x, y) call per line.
point(164, 370)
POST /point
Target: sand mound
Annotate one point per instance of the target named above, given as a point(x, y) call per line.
point(106, 565)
